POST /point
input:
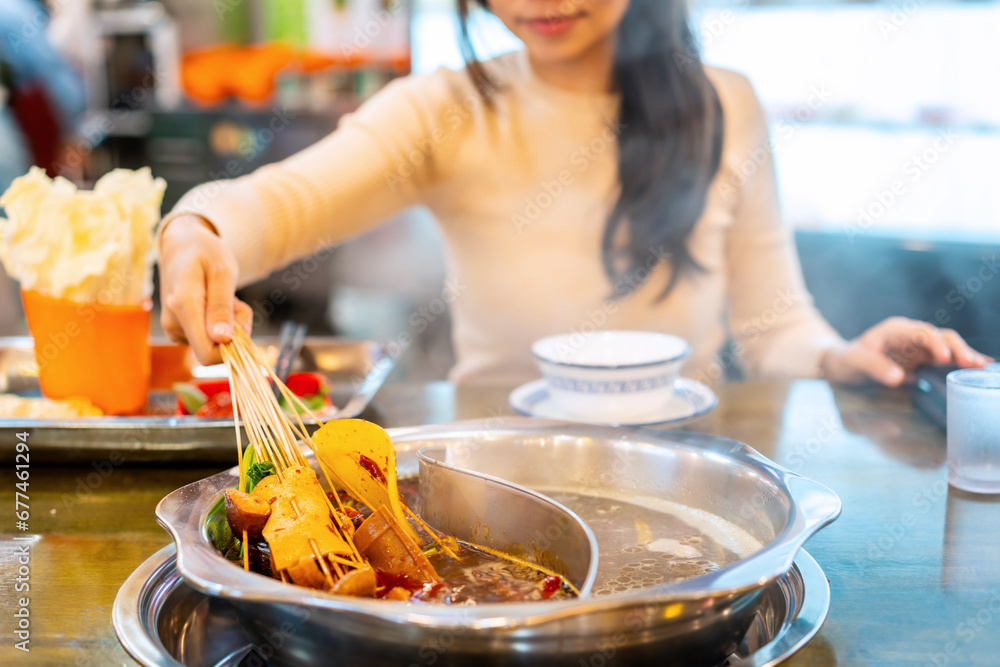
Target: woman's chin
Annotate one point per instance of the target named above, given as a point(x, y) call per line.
point(556, 53)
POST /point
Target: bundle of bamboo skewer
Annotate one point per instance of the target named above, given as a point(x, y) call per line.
point(274, 435)
point(274, 438)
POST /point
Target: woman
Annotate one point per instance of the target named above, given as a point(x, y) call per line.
point(601, 178)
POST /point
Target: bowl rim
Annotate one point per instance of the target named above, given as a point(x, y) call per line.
point(684, 353)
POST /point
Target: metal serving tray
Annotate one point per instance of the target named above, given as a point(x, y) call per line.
point(163, 622)
point(354, 370)
point(696, 622)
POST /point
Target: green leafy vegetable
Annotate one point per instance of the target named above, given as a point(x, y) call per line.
point(191, 397)
point(249, 458)
point(257, 472)
point(219, 532)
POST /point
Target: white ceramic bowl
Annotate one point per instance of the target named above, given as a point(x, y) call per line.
point(611, 375)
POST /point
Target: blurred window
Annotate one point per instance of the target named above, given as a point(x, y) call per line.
point(885, 118)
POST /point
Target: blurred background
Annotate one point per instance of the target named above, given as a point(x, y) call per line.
point(885, 122)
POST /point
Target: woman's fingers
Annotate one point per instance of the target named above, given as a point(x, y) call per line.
point(189, 311)
point(912, 343)
point(198, 276)
point(893, 348)
point(963, 354)
point(171, 328)
point(243, 316)
point(220, 288)
point(876, 365)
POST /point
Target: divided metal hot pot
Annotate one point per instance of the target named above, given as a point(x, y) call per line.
point(631, 618)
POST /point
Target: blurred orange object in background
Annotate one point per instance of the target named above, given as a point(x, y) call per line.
point(169, 364)
point(97, 351)
point(245, 72)
point(249, 73)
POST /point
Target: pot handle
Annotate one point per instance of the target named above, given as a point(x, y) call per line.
point(813, 507)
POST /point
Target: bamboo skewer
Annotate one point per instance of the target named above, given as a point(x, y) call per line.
point(239, 433)
point(288, 438)
point(301, 431)
point(273, 436)
point(246, 552)
point(431, 532)
point(334, 558)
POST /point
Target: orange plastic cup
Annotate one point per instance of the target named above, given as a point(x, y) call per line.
point(93, 350)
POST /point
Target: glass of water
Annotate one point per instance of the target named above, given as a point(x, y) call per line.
point(974, 430)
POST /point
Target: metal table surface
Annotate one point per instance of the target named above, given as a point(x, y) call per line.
point(914, 565)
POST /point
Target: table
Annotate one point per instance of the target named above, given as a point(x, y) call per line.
point(914, 565)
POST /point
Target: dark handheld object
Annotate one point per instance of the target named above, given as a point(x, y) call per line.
point(930, 393)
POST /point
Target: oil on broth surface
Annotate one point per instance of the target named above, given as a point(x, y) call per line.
point(645, 541)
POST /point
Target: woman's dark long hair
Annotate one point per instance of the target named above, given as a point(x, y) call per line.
point(669, 146)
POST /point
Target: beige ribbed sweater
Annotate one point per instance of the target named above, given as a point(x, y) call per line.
point(522, 193)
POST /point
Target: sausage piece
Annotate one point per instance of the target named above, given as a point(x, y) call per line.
point(246, 512)
point(394, 555)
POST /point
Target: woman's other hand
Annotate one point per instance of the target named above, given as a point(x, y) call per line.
point(198, 276)
point(890, 351)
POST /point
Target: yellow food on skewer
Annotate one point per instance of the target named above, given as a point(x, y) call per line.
point(362, 460)
point(300, 518)
point(311, 542)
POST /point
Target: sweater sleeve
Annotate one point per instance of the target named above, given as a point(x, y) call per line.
point(376, 163)
point(777, 331)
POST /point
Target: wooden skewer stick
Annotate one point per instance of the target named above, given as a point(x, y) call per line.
point(269, 430)
point(302, 432)
point(322, 562)
point(246, 552)
point(236, 423)
point(334, 558)
point(269, 418)
point(431, 532)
